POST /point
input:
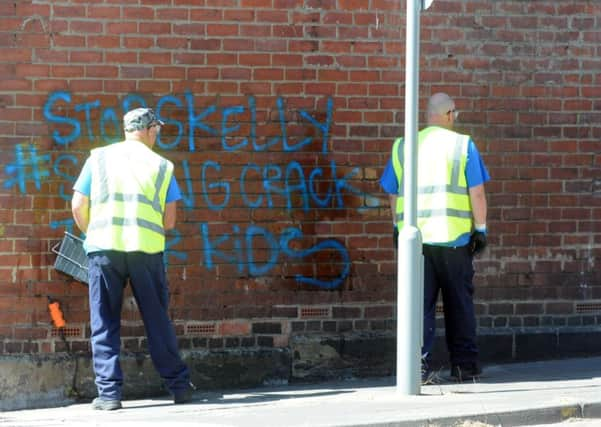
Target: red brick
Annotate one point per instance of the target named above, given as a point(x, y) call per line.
point(138, 13)
point(338, 18)
point(223, 30)
point(254, 59)
point(255, 3)
point(68, 11)
point(104, 41)
point(381, 311)
point(79, 86)
point(169, 73)
point(239, 15)
point(153, 86)
point(101, 71)
point(534, 121)
point(104, 12)
point(234, 328)
point(172, 14)
point(154, 28)
point(8, 9)
point(137, 43)
point(271, 74)
point(268, 16)
point(264, 45)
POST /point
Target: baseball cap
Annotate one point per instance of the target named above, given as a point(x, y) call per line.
point(139, 119)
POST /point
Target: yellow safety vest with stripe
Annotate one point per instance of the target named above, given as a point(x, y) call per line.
point(127, 199)
point(443, 205)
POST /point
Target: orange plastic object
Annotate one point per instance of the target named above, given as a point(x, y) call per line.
point(56, 314)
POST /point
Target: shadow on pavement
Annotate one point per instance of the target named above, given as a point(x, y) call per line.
point(241, 398)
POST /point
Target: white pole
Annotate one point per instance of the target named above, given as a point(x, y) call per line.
point(410, 261)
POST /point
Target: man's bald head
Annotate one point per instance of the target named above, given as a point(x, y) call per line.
point(441, 110)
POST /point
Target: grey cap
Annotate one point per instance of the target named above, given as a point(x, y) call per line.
point(139, 119)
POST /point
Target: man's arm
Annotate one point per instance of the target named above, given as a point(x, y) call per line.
point(479, 206)
point(170, 215)
point(80, 207)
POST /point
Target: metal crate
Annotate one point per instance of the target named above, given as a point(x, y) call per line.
point(71, 259)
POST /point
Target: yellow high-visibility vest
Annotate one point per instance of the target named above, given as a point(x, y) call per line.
point(127, 200)
point(444, 210)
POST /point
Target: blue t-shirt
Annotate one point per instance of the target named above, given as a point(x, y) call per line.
point(84, 184)
point(475, 174)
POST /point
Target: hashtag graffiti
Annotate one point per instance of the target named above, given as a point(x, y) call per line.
point(27, 167)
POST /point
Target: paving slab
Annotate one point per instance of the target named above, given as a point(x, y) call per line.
point(507, 395)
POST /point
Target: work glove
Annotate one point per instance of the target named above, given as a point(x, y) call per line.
point(395, 237)
point(477, 242)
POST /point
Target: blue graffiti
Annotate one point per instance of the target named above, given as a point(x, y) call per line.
point(72, 128)
point(291, 233)
point(223, 186)
point(87, 108)
point(287, 146)
point(324, 128)
point(174, 239)
point(188, 195)
point(55, 102)
point(195, 121)
point(52, 118)
point(259, 185)
point(243, 255)
point(67, 224)
point(180, 127)
point(27, 167)
point(110, 116)
point(65, 158)
point(226, 130)
point(254, 250)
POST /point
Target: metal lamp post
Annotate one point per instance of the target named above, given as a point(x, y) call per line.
point(410, 284)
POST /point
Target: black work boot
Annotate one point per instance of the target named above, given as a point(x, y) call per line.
point(184, 396)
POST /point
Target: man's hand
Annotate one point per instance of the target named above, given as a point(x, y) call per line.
point(477, 242)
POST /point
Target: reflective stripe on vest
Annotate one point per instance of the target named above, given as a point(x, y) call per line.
point(129, 188)
point(128, 222)
point(443, 205)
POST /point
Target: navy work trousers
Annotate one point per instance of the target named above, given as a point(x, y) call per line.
point(450, 271)
point(108, 275)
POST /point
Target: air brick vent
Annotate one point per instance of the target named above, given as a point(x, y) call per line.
point(67, 332)
point(201, 329)
point(315, 312)
point(591, 307)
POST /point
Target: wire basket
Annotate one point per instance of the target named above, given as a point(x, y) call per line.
point(71, 259)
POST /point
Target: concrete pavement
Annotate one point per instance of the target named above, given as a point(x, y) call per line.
point(507, 395)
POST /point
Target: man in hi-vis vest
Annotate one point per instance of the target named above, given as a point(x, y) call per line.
point(125, 200)
point(451, 215)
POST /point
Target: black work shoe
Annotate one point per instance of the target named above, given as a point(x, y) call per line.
point(466, 371)
point(184, 396)
point(101, 404)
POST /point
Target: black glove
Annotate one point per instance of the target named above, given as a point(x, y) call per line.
point(395, 237)
point(477, 242)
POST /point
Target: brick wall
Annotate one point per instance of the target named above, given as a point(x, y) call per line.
point(280, 116)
